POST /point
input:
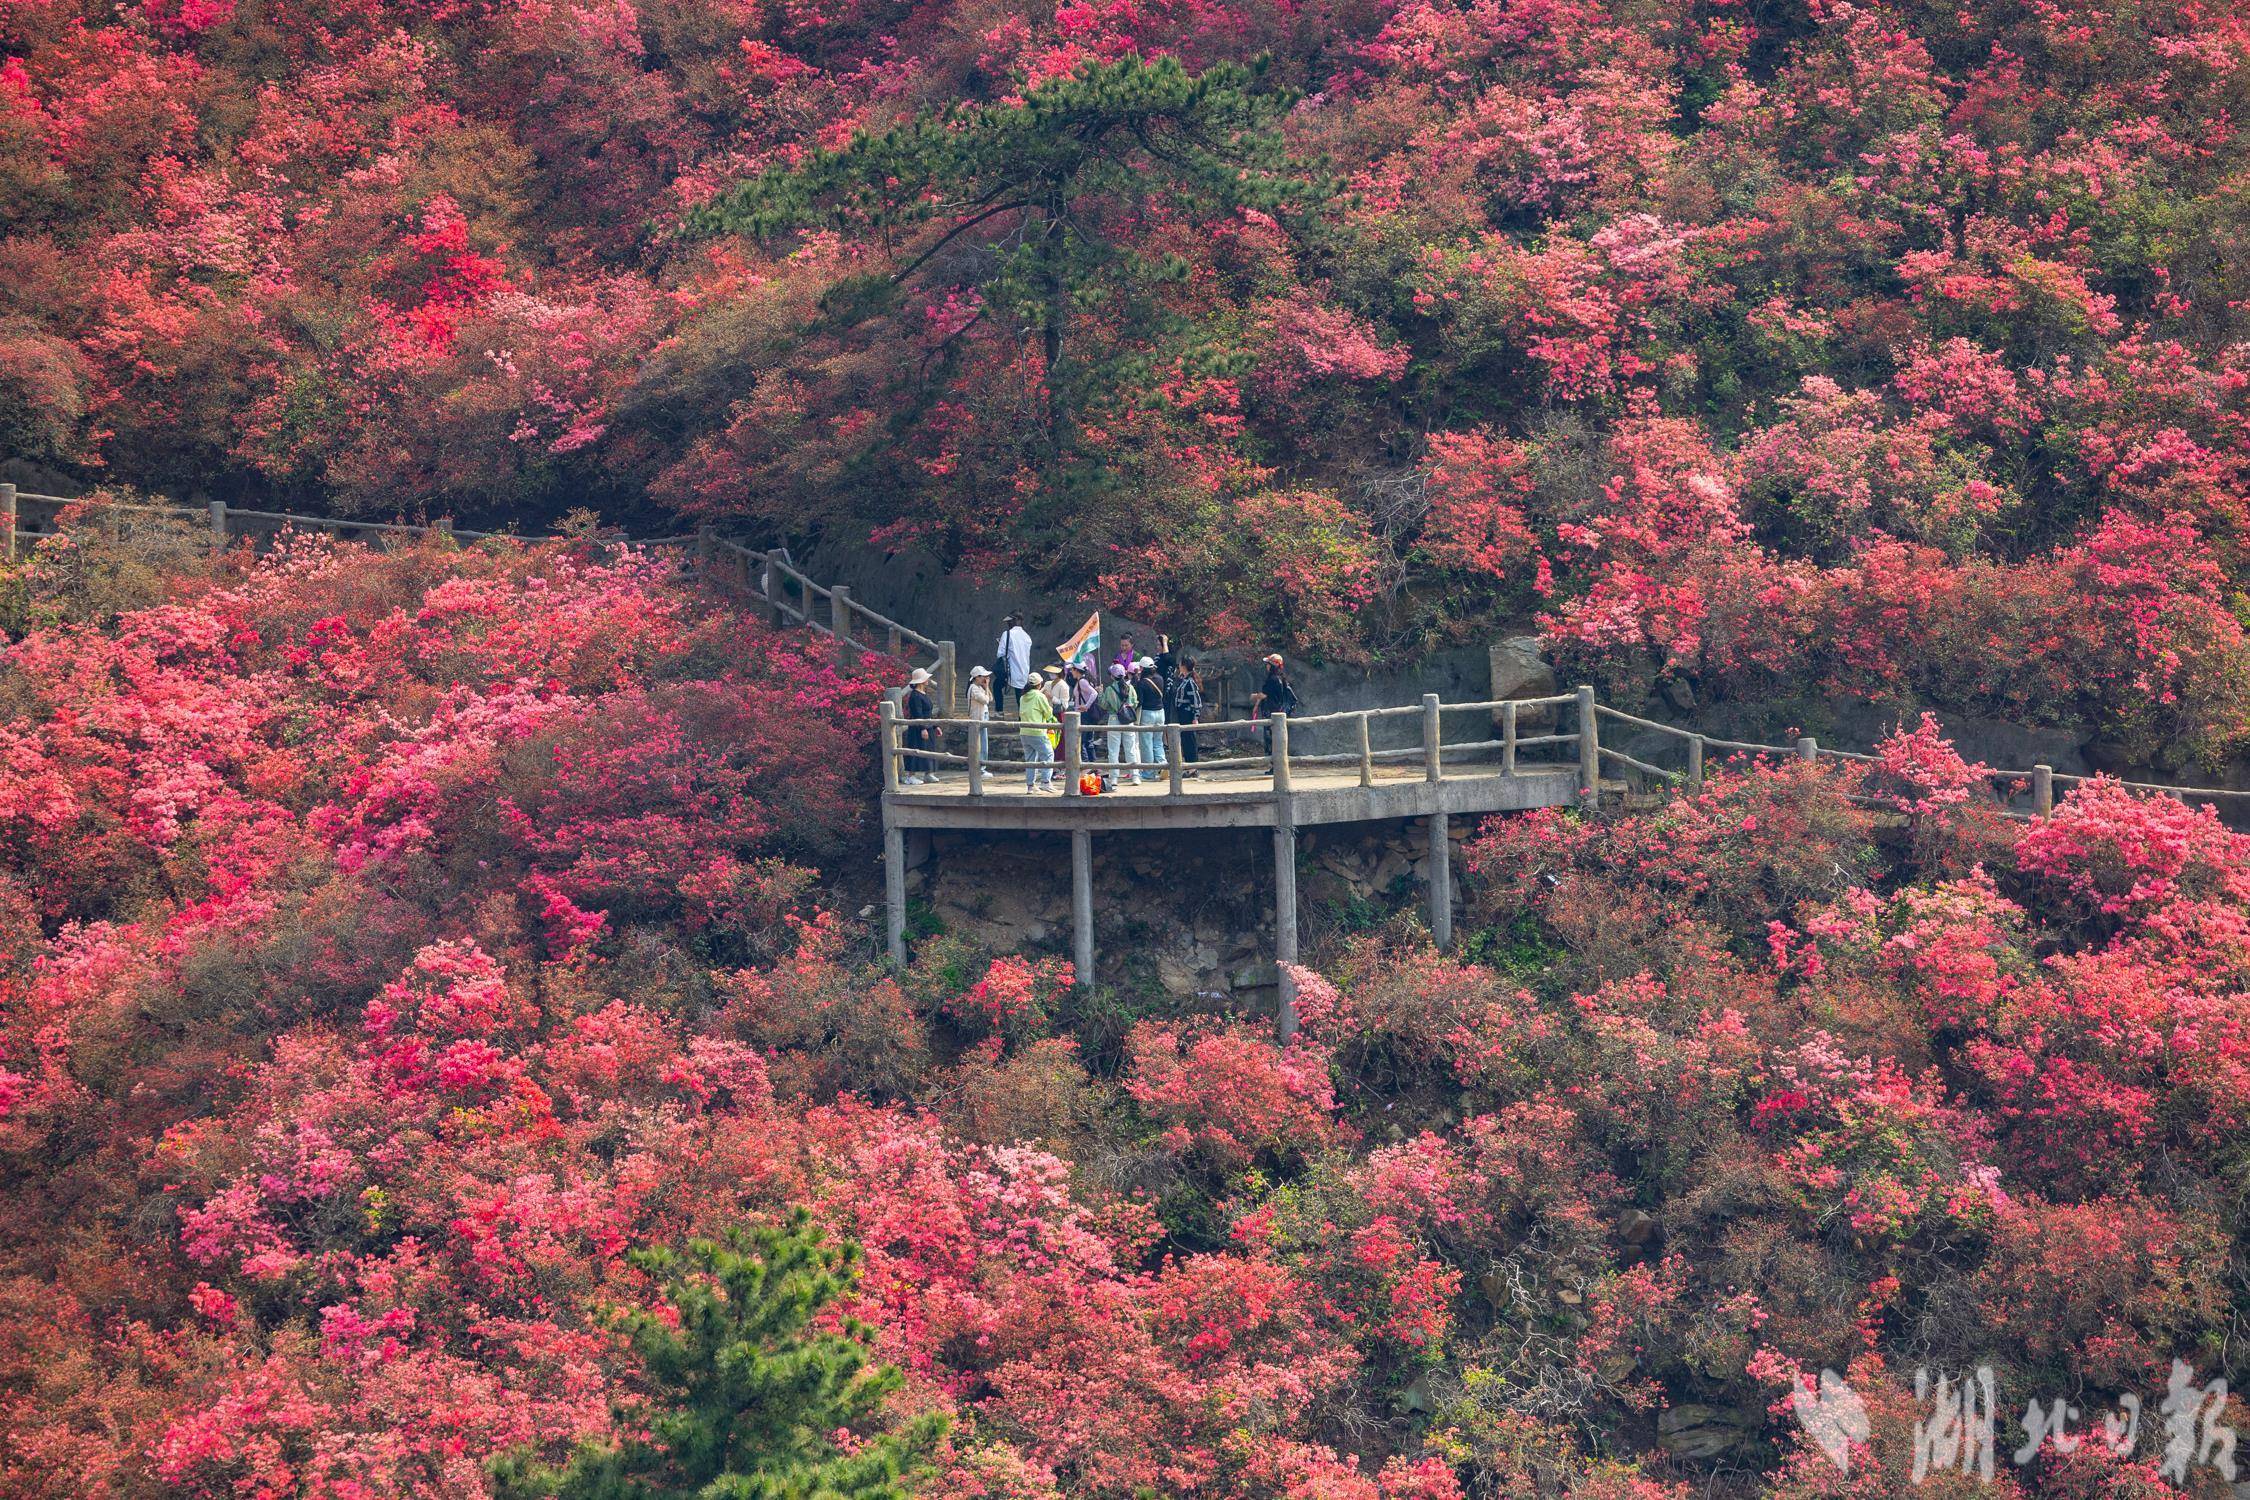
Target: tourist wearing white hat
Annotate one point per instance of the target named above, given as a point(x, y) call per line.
point(1120, 705)
point(1149, 695)
point(919, 734)
point(980, 707)
point(1038, 729)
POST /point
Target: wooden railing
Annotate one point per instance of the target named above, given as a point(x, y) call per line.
point(1279, 757)
point(1433, 753)
point(789, 594)
point(2037, 782)
point(793, 597)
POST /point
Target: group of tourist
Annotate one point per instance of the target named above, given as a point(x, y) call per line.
point(1122, 710)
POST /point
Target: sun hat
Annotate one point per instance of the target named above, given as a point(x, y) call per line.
point(1274, 657)
point(1117, 669)
point(1146, 661)
point(918, 676)
point(980, 671)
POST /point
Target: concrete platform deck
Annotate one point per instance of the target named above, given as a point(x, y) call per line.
point(1233, 799)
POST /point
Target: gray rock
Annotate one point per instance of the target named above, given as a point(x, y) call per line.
point(1520, 670)
point(1700, 1432)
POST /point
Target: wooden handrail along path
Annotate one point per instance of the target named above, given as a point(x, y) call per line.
point(788, 594)
point(1292, 776)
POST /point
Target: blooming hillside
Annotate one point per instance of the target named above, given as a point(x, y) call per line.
point(397, 943)
point(1758, 345)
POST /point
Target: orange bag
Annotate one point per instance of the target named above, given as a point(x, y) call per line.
point(1089, 784)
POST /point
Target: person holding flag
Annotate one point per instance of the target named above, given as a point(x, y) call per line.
point(1084, 649)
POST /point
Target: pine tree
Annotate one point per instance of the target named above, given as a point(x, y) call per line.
point(745, 1394)
point(1039, 197)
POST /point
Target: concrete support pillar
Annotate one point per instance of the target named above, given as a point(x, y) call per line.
point(8, 517)
point(1441, 880)
point(1285, 917)
point(1082, 905)
point(1808, 748)
point(894, 892)
point(2042, 790)
point(218, 511)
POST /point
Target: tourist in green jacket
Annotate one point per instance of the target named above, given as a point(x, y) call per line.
point(1039, 737)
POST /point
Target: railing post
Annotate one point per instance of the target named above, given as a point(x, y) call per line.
point(840, 614)
point(892, 643)
point(1174, 769)
point(977, 732)
point(1278, 724)
point(1366, 754)
point(1695, 762)
point(2042, 791)
point(219, 527)
point(1589, 746)
point(1074, 753)
point(889, 731)
point(770, 586)
point(445, 529)
point(948, 674)
point(1808, 748)
point(703, 550)
point(8, 516)
point(1507, 739)
point(1433, 737)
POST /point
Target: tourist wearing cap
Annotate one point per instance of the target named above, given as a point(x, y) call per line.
point(919, 735)
point(980, 707)
point(1121, 705)
point(1275, 696)
point(1083, 694)
point(1038, 731)
point(1149, 694)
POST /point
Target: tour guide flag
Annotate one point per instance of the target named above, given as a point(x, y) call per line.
point(1082, 648)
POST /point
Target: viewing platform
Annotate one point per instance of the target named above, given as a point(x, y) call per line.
point(1273, 787)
